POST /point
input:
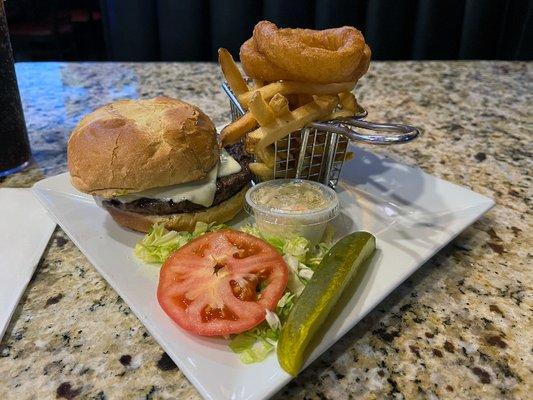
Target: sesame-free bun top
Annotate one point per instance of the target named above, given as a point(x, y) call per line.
point(132, 145)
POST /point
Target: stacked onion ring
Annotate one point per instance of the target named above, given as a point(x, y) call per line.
point(305, 55)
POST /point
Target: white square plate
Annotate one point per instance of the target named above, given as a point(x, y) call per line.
point(412, 215)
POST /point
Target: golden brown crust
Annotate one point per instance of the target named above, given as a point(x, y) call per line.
point(362, 68)
point(219, 214)
point(257, 66)
point(305, 55)
point(133, 145)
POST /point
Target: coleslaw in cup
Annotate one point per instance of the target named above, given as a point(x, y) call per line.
point(292, 207)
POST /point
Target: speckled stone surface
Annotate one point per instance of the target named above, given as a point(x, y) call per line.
point(461, 327)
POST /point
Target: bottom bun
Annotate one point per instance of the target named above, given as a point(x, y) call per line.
point(219, 214)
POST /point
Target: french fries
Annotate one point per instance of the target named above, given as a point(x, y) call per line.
point(261, 111)
point(348, 101)
point(231, 72)
point(349, 106)
point(267, 156)
point(276, 109)
point(233, 132)
point(279, 104)
point(288, 87)
point(340, 114)
point(268, 134)
point(263, 171)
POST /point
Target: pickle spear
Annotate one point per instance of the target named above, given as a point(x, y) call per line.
point(318, 298)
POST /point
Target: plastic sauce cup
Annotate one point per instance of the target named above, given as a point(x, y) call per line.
point(292, 207)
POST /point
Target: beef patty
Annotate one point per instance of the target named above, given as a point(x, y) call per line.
point(227, 186)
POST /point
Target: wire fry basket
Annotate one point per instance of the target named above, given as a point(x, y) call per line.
point(317, 152)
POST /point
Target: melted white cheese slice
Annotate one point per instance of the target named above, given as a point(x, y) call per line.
point(200, 192)
point(228, 165)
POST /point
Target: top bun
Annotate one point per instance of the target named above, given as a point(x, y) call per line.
point(132, 145)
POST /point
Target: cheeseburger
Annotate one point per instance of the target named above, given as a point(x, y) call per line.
point(157, 161)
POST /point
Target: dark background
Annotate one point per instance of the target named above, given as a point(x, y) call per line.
point(189, 30)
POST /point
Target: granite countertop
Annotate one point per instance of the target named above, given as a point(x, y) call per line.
point(460, 327)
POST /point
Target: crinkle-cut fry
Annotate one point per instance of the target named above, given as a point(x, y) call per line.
point(289, 87)
point(233, 132)
point(263, 171)
point(267, 156)
point(231, 72)
point(279, 104)
point(261, 110)
point(319, 107)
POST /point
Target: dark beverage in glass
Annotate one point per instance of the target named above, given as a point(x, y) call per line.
point(14, 145)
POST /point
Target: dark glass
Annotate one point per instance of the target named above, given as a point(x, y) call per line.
point(14, 145)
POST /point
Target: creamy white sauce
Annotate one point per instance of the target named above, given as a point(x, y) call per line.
point(297, 196)
point(200, 192)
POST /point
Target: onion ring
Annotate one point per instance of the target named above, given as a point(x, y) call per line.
point(257, 66)
point(306, 55)
point(362, 68)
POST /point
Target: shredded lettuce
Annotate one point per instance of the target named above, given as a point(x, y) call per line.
point(314, 258)
point(242, 342)
point(275, 242)
point(296, 247)
point(159, 243)
point(255, 345)
point(201, 227)
point(295, 285)
point(273, 321)
point(251, 348)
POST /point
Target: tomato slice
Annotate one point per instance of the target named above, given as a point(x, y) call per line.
point(221, 283)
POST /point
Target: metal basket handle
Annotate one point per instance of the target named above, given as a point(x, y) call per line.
point(401, 133)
